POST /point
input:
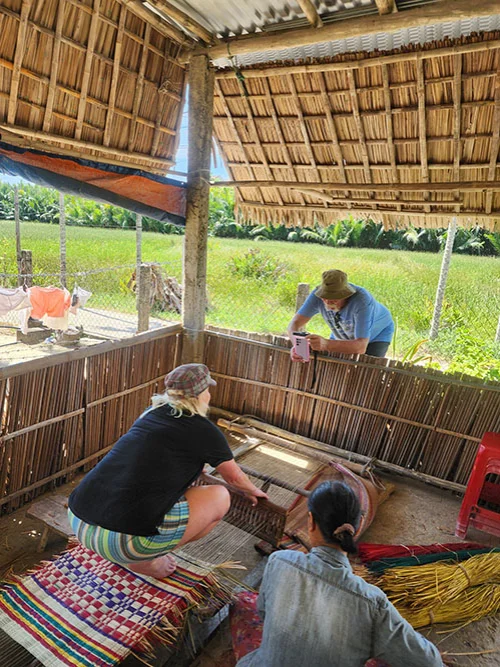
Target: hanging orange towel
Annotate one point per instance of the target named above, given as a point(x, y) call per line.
point(51, 301)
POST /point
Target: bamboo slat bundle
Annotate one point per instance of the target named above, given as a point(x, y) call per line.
point(410, 417)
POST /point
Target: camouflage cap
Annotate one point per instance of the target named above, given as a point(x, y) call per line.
point(190, 379)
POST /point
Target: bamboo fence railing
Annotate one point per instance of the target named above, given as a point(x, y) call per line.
point(61, 413)
point(412, 417)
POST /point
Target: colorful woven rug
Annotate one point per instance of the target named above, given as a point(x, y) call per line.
point(83, 611)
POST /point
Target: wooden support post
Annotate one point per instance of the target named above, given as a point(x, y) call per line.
point(144, 298)
point(386, 6)
point(302, 294)
point(62, 238)
point(27, 267)
point(18, 234)
point(310, 12)
point(201, 96)
point(138, 253)
point(443, 276)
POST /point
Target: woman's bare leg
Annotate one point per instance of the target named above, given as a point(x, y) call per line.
point(207, 506)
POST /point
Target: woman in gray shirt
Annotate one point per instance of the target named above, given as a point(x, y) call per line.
point(317, 612)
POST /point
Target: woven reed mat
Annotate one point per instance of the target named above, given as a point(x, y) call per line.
point(84, 611)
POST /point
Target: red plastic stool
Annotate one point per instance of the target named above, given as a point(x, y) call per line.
point(487, 462)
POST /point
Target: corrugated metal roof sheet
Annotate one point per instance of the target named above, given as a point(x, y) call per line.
point(376, 42)
point(226, 18)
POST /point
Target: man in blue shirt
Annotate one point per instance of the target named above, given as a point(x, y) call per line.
point(359, 323)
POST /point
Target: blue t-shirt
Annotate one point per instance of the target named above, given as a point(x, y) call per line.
point(361, 317)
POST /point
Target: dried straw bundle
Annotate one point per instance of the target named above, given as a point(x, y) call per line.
point(425, 587)
point(470, 605)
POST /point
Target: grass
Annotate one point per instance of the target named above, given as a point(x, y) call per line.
point(404, 281)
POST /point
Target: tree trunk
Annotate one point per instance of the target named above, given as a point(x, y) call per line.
point(445, 266)
point(18, 235)
point(138, 253)
point(62, 238)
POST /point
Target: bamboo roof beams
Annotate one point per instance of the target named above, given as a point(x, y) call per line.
point(312, 136)
point(98, 79)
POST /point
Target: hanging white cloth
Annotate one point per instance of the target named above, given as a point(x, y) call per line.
point(79, 298)
point(14, 298)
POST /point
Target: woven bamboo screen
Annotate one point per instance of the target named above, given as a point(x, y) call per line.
point(412, 417)
point(98, 79)
point(63, 417)
point(426, 117)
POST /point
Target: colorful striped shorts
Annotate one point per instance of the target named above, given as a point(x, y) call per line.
point(123, 548)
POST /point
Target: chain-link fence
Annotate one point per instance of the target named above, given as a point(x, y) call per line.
point(254, 288)
point(84, 306)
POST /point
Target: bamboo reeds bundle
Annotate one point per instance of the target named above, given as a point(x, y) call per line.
point(470, 605)
point(426, 587)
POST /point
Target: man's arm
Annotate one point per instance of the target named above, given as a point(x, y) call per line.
point(396, 642)
point(355, 346)
point(297, 323)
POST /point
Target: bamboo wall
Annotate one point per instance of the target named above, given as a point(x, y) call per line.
point(413, 417)
point(62, 417)
point(59, 415)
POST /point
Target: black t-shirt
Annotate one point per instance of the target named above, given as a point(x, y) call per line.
point(147, 471)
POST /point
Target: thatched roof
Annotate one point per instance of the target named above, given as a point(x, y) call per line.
point(98, 79)
point(425, 116)
point(104, 80)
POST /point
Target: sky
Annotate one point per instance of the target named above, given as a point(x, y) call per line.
point(218, 170)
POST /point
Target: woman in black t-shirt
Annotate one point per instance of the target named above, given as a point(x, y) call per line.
point(138, 503)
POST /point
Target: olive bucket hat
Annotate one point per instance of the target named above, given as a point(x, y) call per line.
point(190, 379)
point(334, 285)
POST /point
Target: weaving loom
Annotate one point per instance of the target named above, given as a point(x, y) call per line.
point(287, 476)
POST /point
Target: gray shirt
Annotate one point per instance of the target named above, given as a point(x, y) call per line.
point(317, 612)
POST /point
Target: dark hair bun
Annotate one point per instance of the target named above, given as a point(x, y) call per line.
point(336, 509)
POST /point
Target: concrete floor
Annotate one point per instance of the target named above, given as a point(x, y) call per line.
point(414, 514)
point(100, 323)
